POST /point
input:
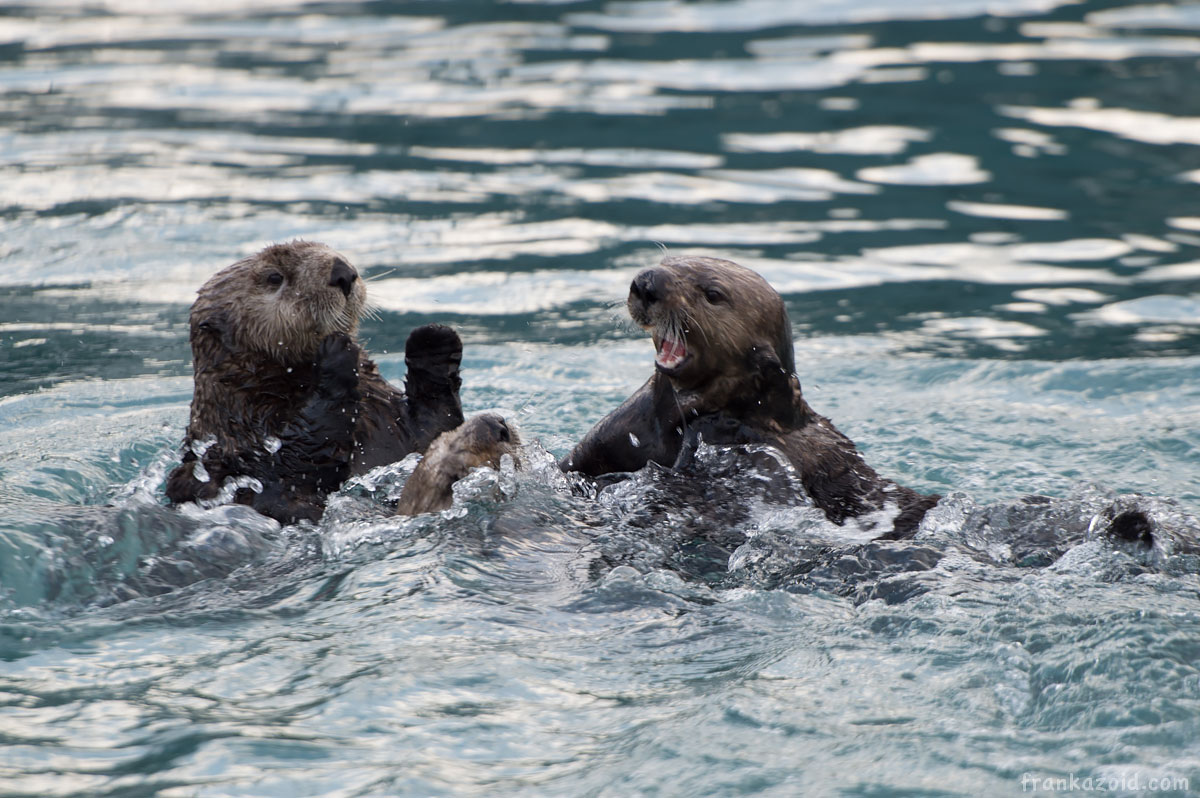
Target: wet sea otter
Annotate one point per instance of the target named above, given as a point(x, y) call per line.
point(725, 374)
point(480, 441)
point(285, 395)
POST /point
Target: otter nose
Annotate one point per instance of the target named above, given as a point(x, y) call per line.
point(342, 276)
point(645, 286)
point(498, 427)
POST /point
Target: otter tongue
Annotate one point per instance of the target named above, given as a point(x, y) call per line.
point(671, 353)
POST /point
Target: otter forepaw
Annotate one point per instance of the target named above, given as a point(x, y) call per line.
point(337, 365)
point(431, 343)
point(432, 354)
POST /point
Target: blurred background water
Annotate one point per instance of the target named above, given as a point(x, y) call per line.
point(984, 218)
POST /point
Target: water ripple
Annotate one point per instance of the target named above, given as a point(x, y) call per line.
point(981, 216)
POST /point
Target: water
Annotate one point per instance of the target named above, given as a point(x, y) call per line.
point(983, 216)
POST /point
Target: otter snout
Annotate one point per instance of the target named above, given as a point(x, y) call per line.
point(497, 427)
point(647, 286)
point(342, 276)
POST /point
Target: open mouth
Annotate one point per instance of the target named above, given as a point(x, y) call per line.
point(671, 353)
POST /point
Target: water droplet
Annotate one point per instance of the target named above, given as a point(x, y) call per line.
point(272, 444)
point(199, 447)
point(633, 440)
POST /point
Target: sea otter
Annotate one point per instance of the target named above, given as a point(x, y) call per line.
point(725, 374)
point(284, 394)
point(481, 441)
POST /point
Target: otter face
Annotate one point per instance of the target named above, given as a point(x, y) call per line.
point(283, 301)
point(479, 441)
point(709, 318)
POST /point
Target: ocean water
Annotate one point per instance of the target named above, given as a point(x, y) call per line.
point(983, 215)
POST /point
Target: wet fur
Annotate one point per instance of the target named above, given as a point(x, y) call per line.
point(285, 395)
point(481, 441)
point(738, 386)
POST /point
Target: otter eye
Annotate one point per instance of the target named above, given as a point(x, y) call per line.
point(713, 296)
point(275, 278)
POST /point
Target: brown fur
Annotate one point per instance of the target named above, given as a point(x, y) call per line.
point(283, 392)
point(480, 441)
point(736, 385)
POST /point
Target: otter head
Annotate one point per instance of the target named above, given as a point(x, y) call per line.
point(479, 441)
point(717, 326)
point(280, 303)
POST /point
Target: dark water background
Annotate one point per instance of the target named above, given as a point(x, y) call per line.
point(984, 218)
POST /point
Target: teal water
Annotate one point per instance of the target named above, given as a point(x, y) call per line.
point(984, 218)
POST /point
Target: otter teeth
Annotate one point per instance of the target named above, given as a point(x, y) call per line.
point(671, 352)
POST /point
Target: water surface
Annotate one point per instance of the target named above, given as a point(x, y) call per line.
point(984, 219)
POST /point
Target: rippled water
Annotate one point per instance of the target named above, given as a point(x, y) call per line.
point(983, 215)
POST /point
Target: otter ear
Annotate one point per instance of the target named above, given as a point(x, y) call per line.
point(766, 367)
point(762, 355)
point(212, 337)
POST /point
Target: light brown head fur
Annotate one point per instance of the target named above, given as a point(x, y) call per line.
point(281, 302)
point(479, 441)
point(713, 322)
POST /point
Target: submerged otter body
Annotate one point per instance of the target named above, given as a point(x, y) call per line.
point(285, 396)
point(725, 374)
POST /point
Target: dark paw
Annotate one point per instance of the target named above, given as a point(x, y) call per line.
point(337, 365)
point(1130, 525)
point(432, 343)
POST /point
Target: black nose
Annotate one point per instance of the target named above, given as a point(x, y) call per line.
point(342, 276)
point(497, 426)
point(645, 286)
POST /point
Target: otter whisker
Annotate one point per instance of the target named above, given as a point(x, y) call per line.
point(348, 316)
point(693, 324)
point(679, 328)
point(380, 276)
point(617, 313)
point(370, 312)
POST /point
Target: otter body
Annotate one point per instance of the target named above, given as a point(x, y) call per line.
point(725, 374)
point(285, 395)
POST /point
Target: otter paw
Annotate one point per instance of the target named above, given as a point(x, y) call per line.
point(337, 365)
point(433, 342)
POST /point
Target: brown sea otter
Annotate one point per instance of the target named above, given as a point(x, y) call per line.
point(481, 441)
point(285, 396)
point(725, 374)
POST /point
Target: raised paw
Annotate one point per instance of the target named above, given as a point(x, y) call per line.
point(433, 343)
point(337, 365)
